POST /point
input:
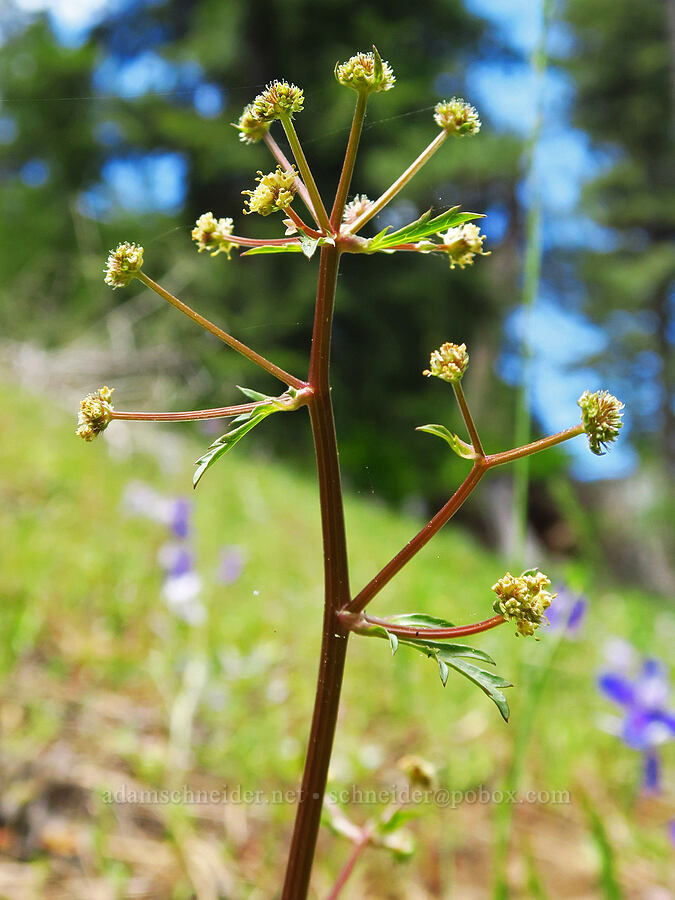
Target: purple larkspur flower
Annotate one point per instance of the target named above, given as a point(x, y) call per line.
point(181, 514)
point(647, 722)
point(176, 559)
point(231, 565)
point(567, 612)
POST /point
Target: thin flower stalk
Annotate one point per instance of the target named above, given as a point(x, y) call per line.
point(226, 338)
point(317, 203)
point(348, 868)
point(506, 456)
point(349, 161)
point(433, 633)
point(302, 226)
point(398, 185)
point(223, 412)
point(468, 418)
point(285, 164)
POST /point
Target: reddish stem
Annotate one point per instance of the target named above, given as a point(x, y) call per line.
point(336, 586)
point(282, 159)
point(436, 633)
point(310, 232)
point(498, 459)
point(384, 576)
point(224, 412)
point(348, 868)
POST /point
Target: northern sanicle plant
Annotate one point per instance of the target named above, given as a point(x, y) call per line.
point(522, 599)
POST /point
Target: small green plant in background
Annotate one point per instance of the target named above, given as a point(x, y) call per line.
point(522, 599)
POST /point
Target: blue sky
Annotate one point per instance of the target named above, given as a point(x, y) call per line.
point(504, 92)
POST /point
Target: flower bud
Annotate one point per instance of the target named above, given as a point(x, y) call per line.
point(601, 418)
point(95, 413)
point(524, 599)
point(275, 191)
point(419, 772)
point(355, 208)
point(448, 363)
point(279, 100)
point(462, 244)
point(212, 234)
point(124, 263)
point(457, 117)
point(251, 129)
point(366, 72)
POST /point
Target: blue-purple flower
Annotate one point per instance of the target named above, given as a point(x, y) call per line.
point(568, 613)
point(647, 721)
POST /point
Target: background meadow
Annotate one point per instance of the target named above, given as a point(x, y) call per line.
point(154, 639)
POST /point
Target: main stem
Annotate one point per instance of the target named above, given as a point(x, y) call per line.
point(336, 578)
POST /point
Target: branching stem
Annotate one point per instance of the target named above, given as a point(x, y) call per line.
point(398, 185)
point(317, 203)
point(226, 338)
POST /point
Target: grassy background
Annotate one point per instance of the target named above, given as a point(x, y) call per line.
point(103, 688)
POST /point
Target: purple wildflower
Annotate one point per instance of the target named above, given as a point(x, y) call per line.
point(568, 612)
point(231, 565)
point(647, 722)
point(181, 513)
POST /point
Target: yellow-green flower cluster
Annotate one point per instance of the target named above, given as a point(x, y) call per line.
point(213, 234)
point(462, 244)
point(95, 413)
point(355, 208)
point(524, 598)
point(275, 191)
point(448, 363)
point(251, 129)
point(366, 72)
point(124, 263)
point(601, 418)
point(279, 100)
point(457, 117)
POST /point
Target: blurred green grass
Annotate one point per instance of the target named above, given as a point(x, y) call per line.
point(90, 654)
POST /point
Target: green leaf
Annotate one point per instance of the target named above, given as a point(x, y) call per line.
point(308, 244)
point(460, 447)
point(488, 682)
point(226, 442)
point(443, 670)
point(413, 620)
point(251, 394)
point(274, 248)
point(447, 650)
point(422, 228)
point(396, 821)
point(379, 631)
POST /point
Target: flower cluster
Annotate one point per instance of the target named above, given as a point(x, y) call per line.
point(643, 690)
point(462, 244)
point(279, 100)
point(457, 117)
point(524, 599)
point(601, 418)
point(124, 263)
point(183, 586)
point(366, 72)
point(355, 208)
point(95, 413)
point(275, 191)
point(448, 363)
point(251, 129)
point(213, 234)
